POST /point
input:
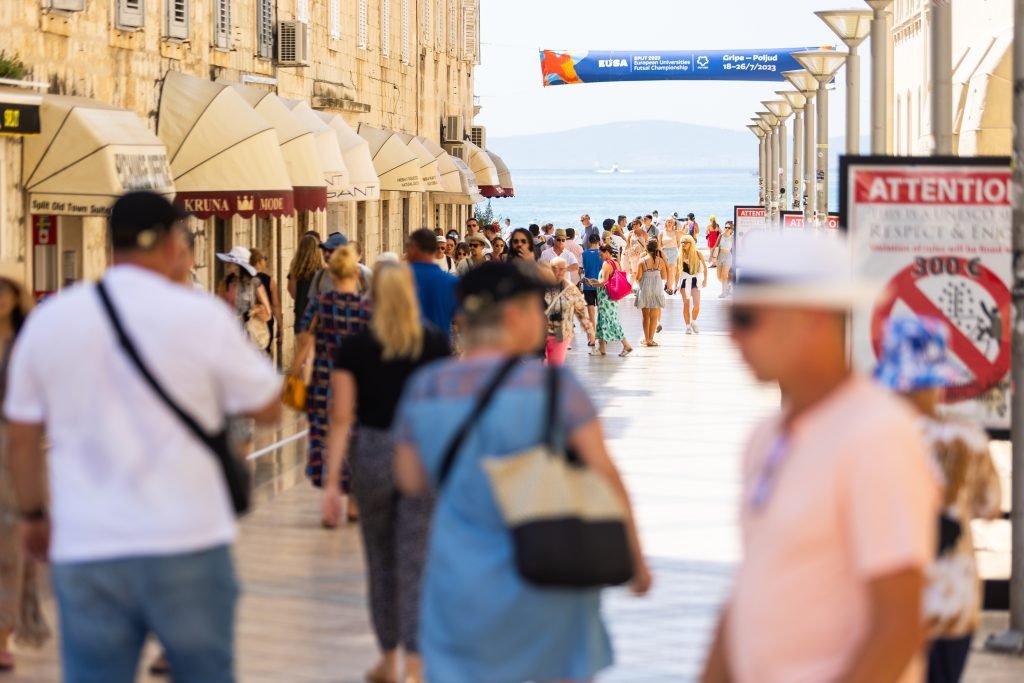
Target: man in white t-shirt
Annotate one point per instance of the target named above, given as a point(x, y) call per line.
point(140, 522)
point(559, 250)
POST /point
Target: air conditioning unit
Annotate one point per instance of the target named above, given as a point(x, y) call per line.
point(478, 136)
point(454, 129)
point(65, 5)
point(457, 150)
point(292, 43)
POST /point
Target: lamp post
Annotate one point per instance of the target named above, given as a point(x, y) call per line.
point(782, 111)
point(756, 130)
point(942, 76)
point(773, 160)
point(881, 108)
point(823, 65)
point(808, 87)
point(797, 100)
point(852, 27)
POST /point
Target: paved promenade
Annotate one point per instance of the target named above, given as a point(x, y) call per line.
point(675, 417)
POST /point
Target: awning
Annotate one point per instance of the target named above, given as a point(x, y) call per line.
point(332, 161)
point(468, 193)
point(363, 181)
point(987, 124)
point(504, 175)
point(298, 146)
point(397, 166)
point(87, 155)
point(486, 172)
point(225, 157)
point(448, 172)
point(429, 175)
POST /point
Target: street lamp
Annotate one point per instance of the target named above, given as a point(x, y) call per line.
point(823, 65)
point(772, 179)
point(760, 133)
point(881, 29)
point(782, 111)
point(797, 100)
point(807, 85)
point(852, 26)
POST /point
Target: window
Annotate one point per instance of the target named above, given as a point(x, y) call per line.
point(177, 19)
point(453, 25)
point(131, 14)
point(427, 25)
point(364, 41)
point(440, 25)
point(302, 10)
point(68, 5)
point(222, 24)
point(385, 28)
point(265, 28)
point(406, 47)
point(334, 19)
point(471, 30)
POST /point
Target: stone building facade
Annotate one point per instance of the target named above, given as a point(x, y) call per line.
point(405, 65)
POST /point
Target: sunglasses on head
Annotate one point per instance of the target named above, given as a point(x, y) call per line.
point(743, 319)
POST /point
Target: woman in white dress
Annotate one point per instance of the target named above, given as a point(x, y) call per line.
point(669, 239)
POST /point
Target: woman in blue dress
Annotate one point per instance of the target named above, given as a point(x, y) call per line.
point(480, 622)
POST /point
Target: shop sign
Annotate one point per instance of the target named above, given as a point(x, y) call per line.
point(938, 233)
point(19, 117)
point(747, 220)
point(245, 204)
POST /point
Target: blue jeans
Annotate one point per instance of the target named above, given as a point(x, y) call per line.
point(108, 608)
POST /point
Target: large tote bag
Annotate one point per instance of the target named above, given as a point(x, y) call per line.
point(567, 523)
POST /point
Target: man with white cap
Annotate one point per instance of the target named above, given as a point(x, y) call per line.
point(839, 501)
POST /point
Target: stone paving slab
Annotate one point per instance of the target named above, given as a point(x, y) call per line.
point(675, 417)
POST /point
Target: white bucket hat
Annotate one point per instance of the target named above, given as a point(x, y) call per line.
point(239, 256)
point(799, 270)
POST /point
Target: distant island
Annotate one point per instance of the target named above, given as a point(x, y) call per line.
point(640, 146)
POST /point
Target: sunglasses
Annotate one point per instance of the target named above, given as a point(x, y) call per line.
point(559, 239)
point(514, 242)
point(743, 319)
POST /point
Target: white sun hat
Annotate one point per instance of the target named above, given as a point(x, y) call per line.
point(239, 256)
point(799, 269)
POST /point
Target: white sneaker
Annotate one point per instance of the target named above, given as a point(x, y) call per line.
point(694, 326)
point(689, 329)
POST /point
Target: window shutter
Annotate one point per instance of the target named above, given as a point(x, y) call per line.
point(131, 14)
point(302, 10)
point(427, 24)
point(265, 29)
point(471, 30)
point(177, 19)
point(453, 26)
point(440, 25)
point(364, 31)
point(222, 24)
point(334, 19)
point(406, 47)
point(385, 28)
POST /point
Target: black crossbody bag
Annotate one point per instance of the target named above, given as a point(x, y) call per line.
point(236, 472)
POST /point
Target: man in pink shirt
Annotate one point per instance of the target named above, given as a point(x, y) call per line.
point(840, 503)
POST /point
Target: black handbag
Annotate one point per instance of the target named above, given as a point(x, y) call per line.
point(236, 472)
point(568, 525)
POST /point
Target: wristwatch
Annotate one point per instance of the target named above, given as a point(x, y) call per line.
point(34, 515)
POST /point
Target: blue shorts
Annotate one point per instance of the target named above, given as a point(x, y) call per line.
point(672, 255)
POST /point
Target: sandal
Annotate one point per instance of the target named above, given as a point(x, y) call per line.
point(626, 352)
point(654, 344)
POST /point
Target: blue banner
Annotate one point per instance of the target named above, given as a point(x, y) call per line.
point(606, 66)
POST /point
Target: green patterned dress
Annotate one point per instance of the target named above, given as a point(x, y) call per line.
point(609, 329)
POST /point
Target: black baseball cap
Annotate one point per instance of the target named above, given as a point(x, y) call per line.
point(492, 283)
point(139, 219)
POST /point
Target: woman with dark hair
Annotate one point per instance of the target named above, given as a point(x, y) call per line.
point(608, 326)
point(651, 273)
point(500, 252)
point(307, 262)
point(20, 613)
point(520, 245)
point(259, 261)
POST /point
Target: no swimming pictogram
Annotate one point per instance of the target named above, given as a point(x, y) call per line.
point(975, 304)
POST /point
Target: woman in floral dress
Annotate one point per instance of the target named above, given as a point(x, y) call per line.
point(608, 326)
point(330, 318)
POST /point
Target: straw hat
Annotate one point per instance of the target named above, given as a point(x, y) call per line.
point(240, 256)
point(799, 270)
point(14, 274)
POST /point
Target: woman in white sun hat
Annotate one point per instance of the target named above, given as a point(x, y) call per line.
point(244, 292)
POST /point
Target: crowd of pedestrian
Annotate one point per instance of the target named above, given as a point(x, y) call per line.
point(441, 418)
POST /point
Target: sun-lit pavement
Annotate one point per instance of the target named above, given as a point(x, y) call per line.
point(675, 417)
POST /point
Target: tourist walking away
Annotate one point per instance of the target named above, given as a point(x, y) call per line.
point(670, 247)
point(462, 409)
point(915, 362)
point(725, 259)
point(691, 265)
point(609, 329)
point(259, 261)
point(307, 262)
point(435, 289)
point(330, 318)
point(370, 372)
point(618, 238)
point(636, 248)
point(591, 270)
point(139, 522)
point(21, 616)
point(563, 301)
point(714, 234)
point(690, 227)
point(478, 245)
point(838, 502)
point(651, 274)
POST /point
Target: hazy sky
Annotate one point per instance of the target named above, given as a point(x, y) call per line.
point(508, 80)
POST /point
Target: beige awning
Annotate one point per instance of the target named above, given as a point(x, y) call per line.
point(87, 155)
point(365, 185)
point(298, 146)
point(469, 191)
point(484, 169)
point(987, 123)
point(332, 161)
point(397, 166)
point(429, 174)
point(504, 175)
point(225, 157)
point(448, 172)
